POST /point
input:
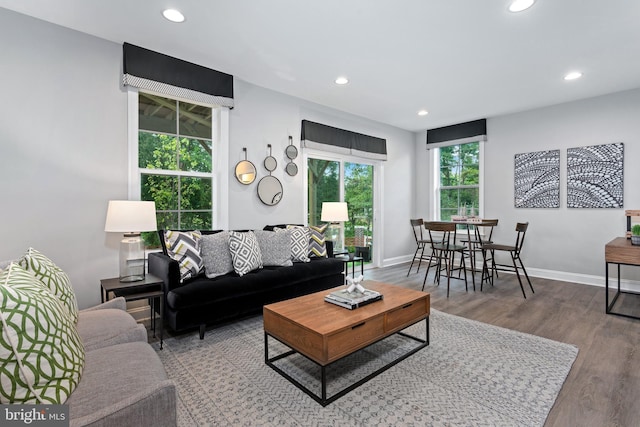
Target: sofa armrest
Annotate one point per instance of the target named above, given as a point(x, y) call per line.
point(118, 303)
point(164, 267)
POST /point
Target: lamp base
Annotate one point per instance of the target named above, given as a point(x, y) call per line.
point(132, 262)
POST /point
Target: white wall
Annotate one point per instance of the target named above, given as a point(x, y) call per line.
point(563, 243)
point(63, 133)
point(262, 117)
point(63, 141)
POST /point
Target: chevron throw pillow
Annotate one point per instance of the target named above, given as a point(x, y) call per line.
point(245, 252)
point(40, 349)
point(184, 247)
point(52, 277)
point(317, 242)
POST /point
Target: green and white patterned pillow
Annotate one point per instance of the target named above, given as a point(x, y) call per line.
point(41, 354)
point(53, 277)
point(245, 252)
point(184, 247)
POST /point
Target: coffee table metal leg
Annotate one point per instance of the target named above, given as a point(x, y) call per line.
point(322, 399)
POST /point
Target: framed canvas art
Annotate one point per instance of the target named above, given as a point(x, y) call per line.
point(537, 179)
point(595, 176)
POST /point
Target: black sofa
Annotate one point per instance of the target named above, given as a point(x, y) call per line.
point(201, 301)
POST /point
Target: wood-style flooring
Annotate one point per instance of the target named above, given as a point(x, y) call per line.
point(603, 387)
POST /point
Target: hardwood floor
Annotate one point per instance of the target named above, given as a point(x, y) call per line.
point(603, 387)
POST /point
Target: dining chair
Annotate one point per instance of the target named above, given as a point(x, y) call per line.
point(421, 244)
point(488, 253)
point(444, 249)
point(482, 233)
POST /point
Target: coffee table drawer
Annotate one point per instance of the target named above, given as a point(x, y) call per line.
point(349, 340)
point(405, 315)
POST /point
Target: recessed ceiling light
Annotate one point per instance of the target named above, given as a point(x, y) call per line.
point(173, 15)
point(573, 75)
point(520, 5)
point(423, 112)
point(342, 81)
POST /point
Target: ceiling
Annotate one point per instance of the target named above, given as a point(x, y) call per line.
point(459, 59)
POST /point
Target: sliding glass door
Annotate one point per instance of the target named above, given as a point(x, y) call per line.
point(331, 180)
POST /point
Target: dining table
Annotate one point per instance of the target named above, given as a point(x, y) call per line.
point(473, 234)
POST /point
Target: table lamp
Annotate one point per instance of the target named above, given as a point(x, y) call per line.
point(334, 213)
point(131, 217)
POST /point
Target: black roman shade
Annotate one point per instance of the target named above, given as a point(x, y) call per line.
point(328, 138)
point(458, 134)
point(146, 69)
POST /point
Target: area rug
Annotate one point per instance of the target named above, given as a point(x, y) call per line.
point(471, 374)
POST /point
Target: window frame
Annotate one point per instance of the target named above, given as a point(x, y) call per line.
point(378, 196)
point(434, 178)
point(219, 166)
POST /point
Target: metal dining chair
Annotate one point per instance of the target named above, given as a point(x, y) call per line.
point(444, 249)
point(482, 233)
point(488, 252)
point(421, 244)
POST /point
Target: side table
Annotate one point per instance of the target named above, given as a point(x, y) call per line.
point(351, 260)
point(619, 251)
point(150, 288)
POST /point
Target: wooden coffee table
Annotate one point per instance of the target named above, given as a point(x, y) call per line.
point(324, 332)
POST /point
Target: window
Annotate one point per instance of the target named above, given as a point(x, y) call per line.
point(459, 180)
point(175, 161)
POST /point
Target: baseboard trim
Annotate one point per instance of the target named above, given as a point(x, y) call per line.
point(563, 276)
point(585, 279)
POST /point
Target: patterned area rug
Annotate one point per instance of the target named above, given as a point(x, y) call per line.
point(472, 374)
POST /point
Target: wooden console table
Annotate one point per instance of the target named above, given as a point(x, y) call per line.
point(619, 251)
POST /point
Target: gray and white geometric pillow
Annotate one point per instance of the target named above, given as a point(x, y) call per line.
point(216, 255)
point(245, 252)
point(274, 247)
point(299, 243)
point(184, 247)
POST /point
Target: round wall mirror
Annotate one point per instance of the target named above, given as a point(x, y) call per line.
point(245, 172)
point(270, 163)
point(291, 151)
point(270, 190)
point(291, 168)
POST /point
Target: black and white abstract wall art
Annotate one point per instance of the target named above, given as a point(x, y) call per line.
point(537, 179)
point(595, 176)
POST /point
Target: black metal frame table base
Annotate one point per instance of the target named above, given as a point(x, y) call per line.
point(609, 306)
point(323, 399)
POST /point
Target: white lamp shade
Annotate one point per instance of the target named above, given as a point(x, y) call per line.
point(131, 216)
point(334, 212)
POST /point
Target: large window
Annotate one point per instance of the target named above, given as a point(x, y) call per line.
point(458, 189)
point(175, 161)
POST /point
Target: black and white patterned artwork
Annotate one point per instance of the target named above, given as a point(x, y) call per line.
point(595, 176)
point(537, 179)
